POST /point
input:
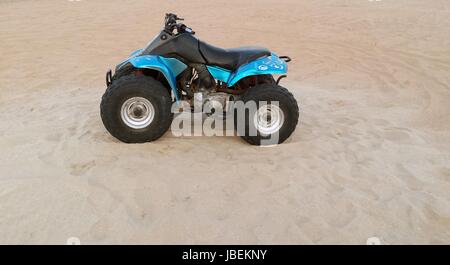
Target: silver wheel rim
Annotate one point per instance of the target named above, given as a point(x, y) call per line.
point(268, 119)
point(137, 112)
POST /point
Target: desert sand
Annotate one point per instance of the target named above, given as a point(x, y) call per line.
point(369, 158)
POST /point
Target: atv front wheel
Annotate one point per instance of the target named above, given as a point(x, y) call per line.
point(275, 117)
point(136, 109)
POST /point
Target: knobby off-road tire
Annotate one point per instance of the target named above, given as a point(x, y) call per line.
point(133, 87)
point(286, 102)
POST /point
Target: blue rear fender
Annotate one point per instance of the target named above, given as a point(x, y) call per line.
point(262, 66)
point(169, 67)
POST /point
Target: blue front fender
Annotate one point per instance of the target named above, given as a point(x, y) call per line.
point(169, 67)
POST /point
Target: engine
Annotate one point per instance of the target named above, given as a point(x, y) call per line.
point(200, 89)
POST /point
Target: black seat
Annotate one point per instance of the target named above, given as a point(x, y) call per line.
point(231, 59)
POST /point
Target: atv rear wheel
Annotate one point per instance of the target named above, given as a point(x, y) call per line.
point(275, 117)
point(136, 109)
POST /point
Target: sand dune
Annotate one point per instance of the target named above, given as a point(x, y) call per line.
point(370, 156)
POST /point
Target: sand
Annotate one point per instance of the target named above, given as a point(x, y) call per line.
point(369, 158)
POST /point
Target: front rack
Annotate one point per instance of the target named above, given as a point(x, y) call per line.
point(108, 77)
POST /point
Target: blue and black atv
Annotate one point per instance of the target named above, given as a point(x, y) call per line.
point(176, 66)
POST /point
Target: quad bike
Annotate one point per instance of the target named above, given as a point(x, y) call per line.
point(177, 66)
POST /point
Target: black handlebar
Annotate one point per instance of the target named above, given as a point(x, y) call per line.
point(171, 24)
point(172, 18)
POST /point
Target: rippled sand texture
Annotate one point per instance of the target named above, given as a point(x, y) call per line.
point(370, 157)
